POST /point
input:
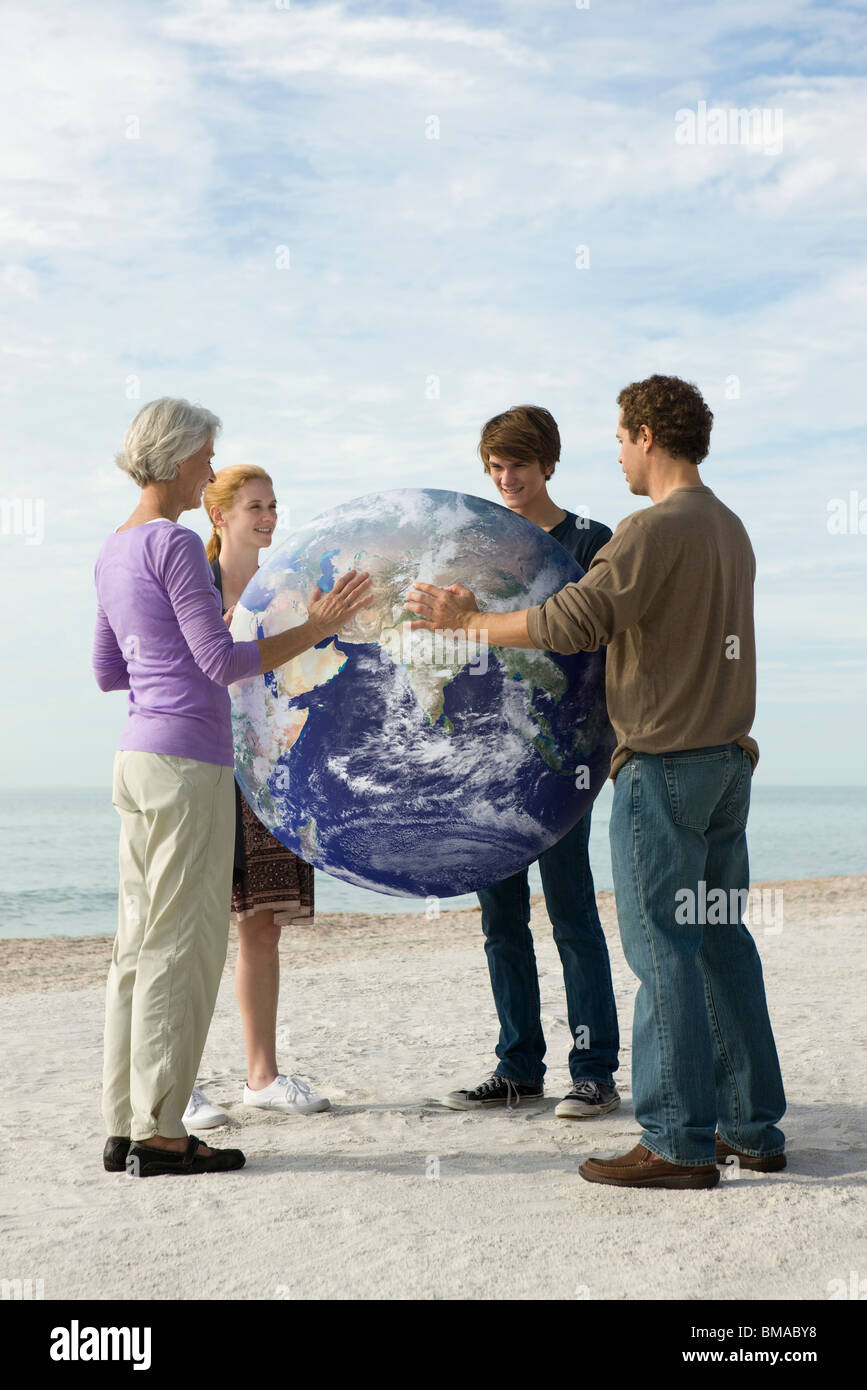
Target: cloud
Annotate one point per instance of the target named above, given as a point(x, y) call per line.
point(337, 40)
point(163, 153)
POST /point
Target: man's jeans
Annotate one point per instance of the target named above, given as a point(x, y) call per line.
point(571, 902)
point(702, 1046)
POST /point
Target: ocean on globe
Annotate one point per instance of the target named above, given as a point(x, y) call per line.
point(417, 764)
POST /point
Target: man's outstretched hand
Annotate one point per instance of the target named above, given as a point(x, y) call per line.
point(455, 609)
point(438, 609)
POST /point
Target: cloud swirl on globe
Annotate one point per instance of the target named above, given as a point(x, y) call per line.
point(411, 764)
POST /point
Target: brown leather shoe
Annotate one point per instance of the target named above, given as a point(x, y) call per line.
point(772, 1163)
point(641, 1168)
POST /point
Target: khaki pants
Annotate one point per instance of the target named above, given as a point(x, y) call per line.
point(176, 845)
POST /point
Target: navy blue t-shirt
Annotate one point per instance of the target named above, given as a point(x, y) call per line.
point(581, 537)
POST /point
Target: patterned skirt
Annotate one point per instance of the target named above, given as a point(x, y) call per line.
point(273, 877)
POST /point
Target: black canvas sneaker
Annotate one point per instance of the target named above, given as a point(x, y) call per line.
point(586, 1099)
point(497, 1090)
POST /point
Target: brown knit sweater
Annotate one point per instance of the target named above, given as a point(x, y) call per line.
point(671, 595)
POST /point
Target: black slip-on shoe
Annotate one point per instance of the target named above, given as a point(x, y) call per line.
point(144, 1161)
point(114, 1154)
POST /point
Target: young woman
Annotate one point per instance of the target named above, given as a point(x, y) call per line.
point(271, 887)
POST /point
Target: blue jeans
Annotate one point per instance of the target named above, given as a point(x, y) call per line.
point(702, 1046)
point(571, 902)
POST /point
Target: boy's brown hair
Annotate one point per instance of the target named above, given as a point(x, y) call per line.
point(674, 410)
point(524, 434)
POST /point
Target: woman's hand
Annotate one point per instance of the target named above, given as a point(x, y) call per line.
point(330, 611)
point(450, 609)
point(227, 616)
point(325, 614)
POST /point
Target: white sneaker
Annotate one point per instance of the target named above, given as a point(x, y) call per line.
point(201, 1114)
point(286, 1093)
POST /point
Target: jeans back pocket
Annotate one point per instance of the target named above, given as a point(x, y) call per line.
point(695, 784)
point(737, 798)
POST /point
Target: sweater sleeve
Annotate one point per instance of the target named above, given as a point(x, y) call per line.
point(614, 594)
point(189, 583)
point(109, 665)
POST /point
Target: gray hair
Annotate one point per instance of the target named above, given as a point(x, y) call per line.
point(163, 434)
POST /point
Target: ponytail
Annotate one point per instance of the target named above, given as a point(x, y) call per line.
point(212, 549)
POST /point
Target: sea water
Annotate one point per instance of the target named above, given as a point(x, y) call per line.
point(58, 855)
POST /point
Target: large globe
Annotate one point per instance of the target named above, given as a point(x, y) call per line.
point(403, 762)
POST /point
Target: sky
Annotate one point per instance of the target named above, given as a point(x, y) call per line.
point(356, 231)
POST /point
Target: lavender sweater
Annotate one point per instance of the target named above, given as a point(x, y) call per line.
point(159, 635)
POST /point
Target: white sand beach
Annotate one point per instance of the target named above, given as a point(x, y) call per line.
point(390, 1196)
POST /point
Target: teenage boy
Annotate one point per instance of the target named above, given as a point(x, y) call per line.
point(520, 450)
point(672, 596)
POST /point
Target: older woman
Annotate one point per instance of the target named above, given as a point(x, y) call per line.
point(160, 635)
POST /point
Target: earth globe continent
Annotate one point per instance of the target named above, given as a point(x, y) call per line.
point(413, 763)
